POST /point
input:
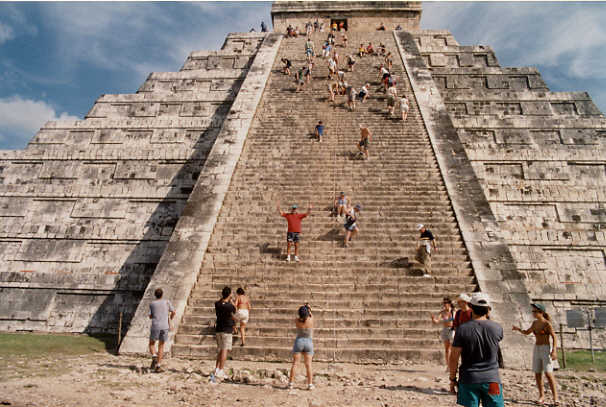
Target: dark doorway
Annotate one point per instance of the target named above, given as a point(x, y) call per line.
point(341, 23)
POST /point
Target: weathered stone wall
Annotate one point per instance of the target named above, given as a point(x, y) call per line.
point(87, 209)
point(541, 160)
point(361, 16)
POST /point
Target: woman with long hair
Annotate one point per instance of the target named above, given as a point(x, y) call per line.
point(303, 345)
point(543, 354)
point(445, 318)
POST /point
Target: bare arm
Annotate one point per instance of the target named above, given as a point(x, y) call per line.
point(279, 210)
point(309, 206)
point(554, 353)
point(523, 331)
point(453, 365)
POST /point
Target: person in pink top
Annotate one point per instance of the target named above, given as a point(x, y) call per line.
point(294, 228)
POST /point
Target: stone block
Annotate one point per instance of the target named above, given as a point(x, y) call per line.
point(66, 251)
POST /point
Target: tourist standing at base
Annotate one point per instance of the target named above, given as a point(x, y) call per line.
point(224, 329)
point(463, 314)
point(445, 318)
point(242, 304)
point(543, 354)
point(294, 228)
point(303, 345)
point(476, 343)
point(159, 311)
point(425, 245)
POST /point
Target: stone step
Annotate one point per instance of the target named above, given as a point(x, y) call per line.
point(252, 329)
point(284, 354)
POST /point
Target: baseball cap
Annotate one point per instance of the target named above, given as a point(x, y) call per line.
point(538, 306)
point(464, 297)
point(294, 206)
point(419, 226)
point(358, 207)
point(480, 300)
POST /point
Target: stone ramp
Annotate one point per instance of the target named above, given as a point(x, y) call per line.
point(369, 308)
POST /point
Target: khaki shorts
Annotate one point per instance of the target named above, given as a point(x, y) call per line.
point(541, 359)
point(223, 340)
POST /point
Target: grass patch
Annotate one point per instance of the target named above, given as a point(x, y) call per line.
point(29, 355)
point(580, 360)
point(34, 345)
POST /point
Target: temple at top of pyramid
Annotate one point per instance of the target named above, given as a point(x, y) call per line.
point(353, 15)
point(175, 186)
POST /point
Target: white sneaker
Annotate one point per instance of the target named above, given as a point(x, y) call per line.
point(221, 374)
point(288, 258)
point(310, 386)
point(297, 259)
point(291, 385)
point(427, 275)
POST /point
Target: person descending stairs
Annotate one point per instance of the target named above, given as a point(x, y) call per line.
point(370, 300)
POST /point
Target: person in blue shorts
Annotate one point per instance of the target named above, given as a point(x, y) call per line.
point(351, 223)
point(319, 131)
point(476, 343)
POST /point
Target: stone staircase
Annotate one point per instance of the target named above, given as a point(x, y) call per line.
point(367, 306)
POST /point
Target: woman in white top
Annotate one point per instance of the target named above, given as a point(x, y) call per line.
point(242, 304)
point(404, 106)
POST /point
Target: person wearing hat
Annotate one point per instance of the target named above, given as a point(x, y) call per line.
point(425, 245)
point(476, 343)
point(294, 228)
point(463, 314)
point(341, 204)
point(543, 354)
point(303, 345)
point(351, 223)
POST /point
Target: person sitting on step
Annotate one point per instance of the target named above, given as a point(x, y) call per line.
point(340, 205)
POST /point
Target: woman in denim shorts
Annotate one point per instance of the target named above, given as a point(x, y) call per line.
point(303, 344)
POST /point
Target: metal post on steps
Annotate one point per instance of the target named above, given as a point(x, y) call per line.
point(590, 327)
point(562, 346)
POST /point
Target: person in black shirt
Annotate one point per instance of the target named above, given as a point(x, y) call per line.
point(425, 245)
point(225, 311)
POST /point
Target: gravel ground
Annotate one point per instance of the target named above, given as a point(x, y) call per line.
point(107, 380)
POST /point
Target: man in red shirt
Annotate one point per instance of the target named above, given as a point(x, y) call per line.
point(294, 228)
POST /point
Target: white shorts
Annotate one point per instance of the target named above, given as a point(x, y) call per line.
point(541, 359)
point(241, 316)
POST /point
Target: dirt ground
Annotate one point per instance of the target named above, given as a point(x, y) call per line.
point(108, 380)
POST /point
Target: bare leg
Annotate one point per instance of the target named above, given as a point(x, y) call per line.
point(243, 333)
point(347, 236)
point(297, 249)
point(552, 386)
point(152, 347)
point(539, 379)
point(307, 359)
point(288, 244)
point(221, 358)
point(295, 359)
point(160, 351)
point(447, 351)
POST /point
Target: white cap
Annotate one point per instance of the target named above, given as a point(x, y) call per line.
point(464, 297)
point(480, 300)
point(419, 226)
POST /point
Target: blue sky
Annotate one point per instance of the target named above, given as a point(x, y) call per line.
point(57, 58)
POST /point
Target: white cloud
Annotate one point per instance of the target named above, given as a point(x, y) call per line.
point(6, 33)
point(22, 118)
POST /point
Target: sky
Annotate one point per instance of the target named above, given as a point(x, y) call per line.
point(56, 58)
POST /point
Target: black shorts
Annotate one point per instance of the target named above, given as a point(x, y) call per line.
point(292, 237)
point(364, 143)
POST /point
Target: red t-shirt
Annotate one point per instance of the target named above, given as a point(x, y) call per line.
point(461, 317)
point(294, 221)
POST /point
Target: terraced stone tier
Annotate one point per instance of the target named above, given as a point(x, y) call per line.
point(369, 300)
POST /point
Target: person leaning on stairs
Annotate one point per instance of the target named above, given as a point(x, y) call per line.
point(425, 245)
point(294, 228)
